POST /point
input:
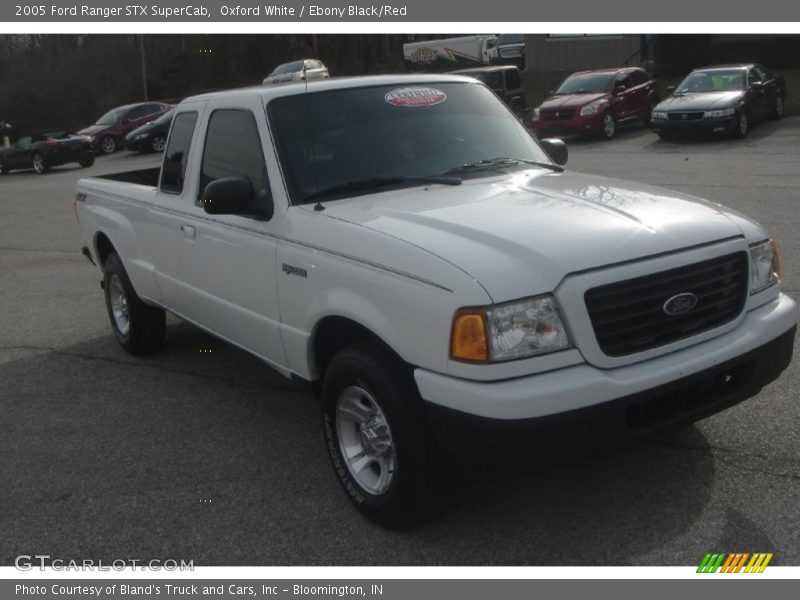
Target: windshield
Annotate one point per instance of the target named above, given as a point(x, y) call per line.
point(712, 81)
point(111, 117)
point(588, 83)
point(330, 140)
point(292, 67)
point(510, 38)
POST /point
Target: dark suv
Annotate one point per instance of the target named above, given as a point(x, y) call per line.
point(108, 133)
point(503, 80)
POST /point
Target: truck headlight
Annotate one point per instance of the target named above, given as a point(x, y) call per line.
point(765, 266)
point(658, 115)
point(714, 114)
point(508, 331)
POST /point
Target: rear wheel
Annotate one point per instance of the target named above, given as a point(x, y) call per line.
point(108, 145)
point(608, 128)
point(39, 163)
point(138, 327)
point(87, 162)
point(377, 436)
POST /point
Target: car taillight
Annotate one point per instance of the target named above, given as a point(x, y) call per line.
point(50, 143)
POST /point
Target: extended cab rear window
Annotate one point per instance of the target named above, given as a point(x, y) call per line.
point(177, 153)
point(332, 138)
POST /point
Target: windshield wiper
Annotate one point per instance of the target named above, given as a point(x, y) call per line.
point(499, 162)
point(374, 183)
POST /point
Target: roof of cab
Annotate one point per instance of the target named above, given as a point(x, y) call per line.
point(269, 91)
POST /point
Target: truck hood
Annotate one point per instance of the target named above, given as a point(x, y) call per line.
point(520, 234)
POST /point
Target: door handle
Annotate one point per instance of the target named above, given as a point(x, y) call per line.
point(188, 231)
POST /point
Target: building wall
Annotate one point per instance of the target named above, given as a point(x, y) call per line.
point(555, 53)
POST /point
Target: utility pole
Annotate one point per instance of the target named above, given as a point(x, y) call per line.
point(144, 66)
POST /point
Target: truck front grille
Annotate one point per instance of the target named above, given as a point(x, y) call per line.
point(629, 316)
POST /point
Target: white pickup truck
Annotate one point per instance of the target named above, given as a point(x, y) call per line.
point(404, 244)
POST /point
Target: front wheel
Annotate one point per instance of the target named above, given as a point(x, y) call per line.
point(87, 162)
point(108, 145)
point(138, 327)
point(377, 436)
point(777, 111)
point(742, 126)
point(608, 128)
point(39, 163)
point(158, 143)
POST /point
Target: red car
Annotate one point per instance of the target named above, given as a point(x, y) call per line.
point(595, 102)
point(108, 133)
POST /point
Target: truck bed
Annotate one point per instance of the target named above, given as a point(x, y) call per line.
point(148, 177)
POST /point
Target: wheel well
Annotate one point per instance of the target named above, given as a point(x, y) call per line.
point(333, 334)
point(104, 247)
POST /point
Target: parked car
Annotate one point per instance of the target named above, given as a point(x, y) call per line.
point(720, 100)
point(108, 133)
point(505, 81)
point(511, 49)
point(44, 149)
point(596, 102)
point(299, 70)
point(407, 248)
point(152, 136)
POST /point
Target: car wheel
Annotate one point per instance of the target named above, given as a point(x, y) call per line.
point(3, 169)
point(138, 327)
point(608, 128)
point(777, 112)
point(158, 143)
point(39, 163)
point(646, 118)
point(87, 162)
point(665, 136)
point(377, 436)
point(742, 125)
point(108, 145)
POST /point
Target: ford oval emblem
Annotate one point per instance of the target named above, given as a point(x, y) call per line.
point(680, 304)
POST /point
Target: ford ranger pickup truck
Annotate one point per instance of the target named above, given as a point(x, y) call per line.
point(406, 246)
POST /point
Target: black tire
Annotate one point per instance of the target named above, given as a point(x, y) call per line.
point(742, 126)
point(3, 169)
point(146, 324)
point(39, 163)
point(108, 145)
point(87, 162)
point(608, 128)
point(665, 136)
point(415, 485)
point(158, 142)
point(777, 111)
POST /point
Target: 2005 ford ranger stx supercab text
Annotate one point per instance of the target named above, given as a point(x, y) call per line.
point(408, 247)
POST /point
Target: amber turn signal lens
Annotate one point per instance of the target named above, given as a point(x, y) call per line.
point(469, 337)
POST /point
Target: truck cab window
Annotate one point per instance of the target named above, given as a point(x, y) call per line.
point(233, 149)
point(174, 169)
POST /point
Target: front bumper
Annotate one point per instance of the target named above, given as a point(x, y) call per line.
point(682, 386)
point(721, 125)
point(575, 126)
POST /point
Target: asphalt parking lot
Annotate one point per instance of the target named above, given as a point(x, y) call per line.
point(211, 457)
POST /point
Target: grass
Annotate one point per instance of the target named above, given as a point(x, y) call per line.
point(537, 86)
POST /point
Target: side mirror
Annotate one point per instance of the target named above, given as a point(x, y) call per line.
point(556, 149)
point(235, 196)
point(671, 89)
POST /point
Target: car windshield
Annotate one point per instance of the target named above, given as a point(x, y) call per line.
point(111, 117)
point(712, 81)
point(291, 67)
point(510, 38)
point(586, 83)
point(396, 135)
